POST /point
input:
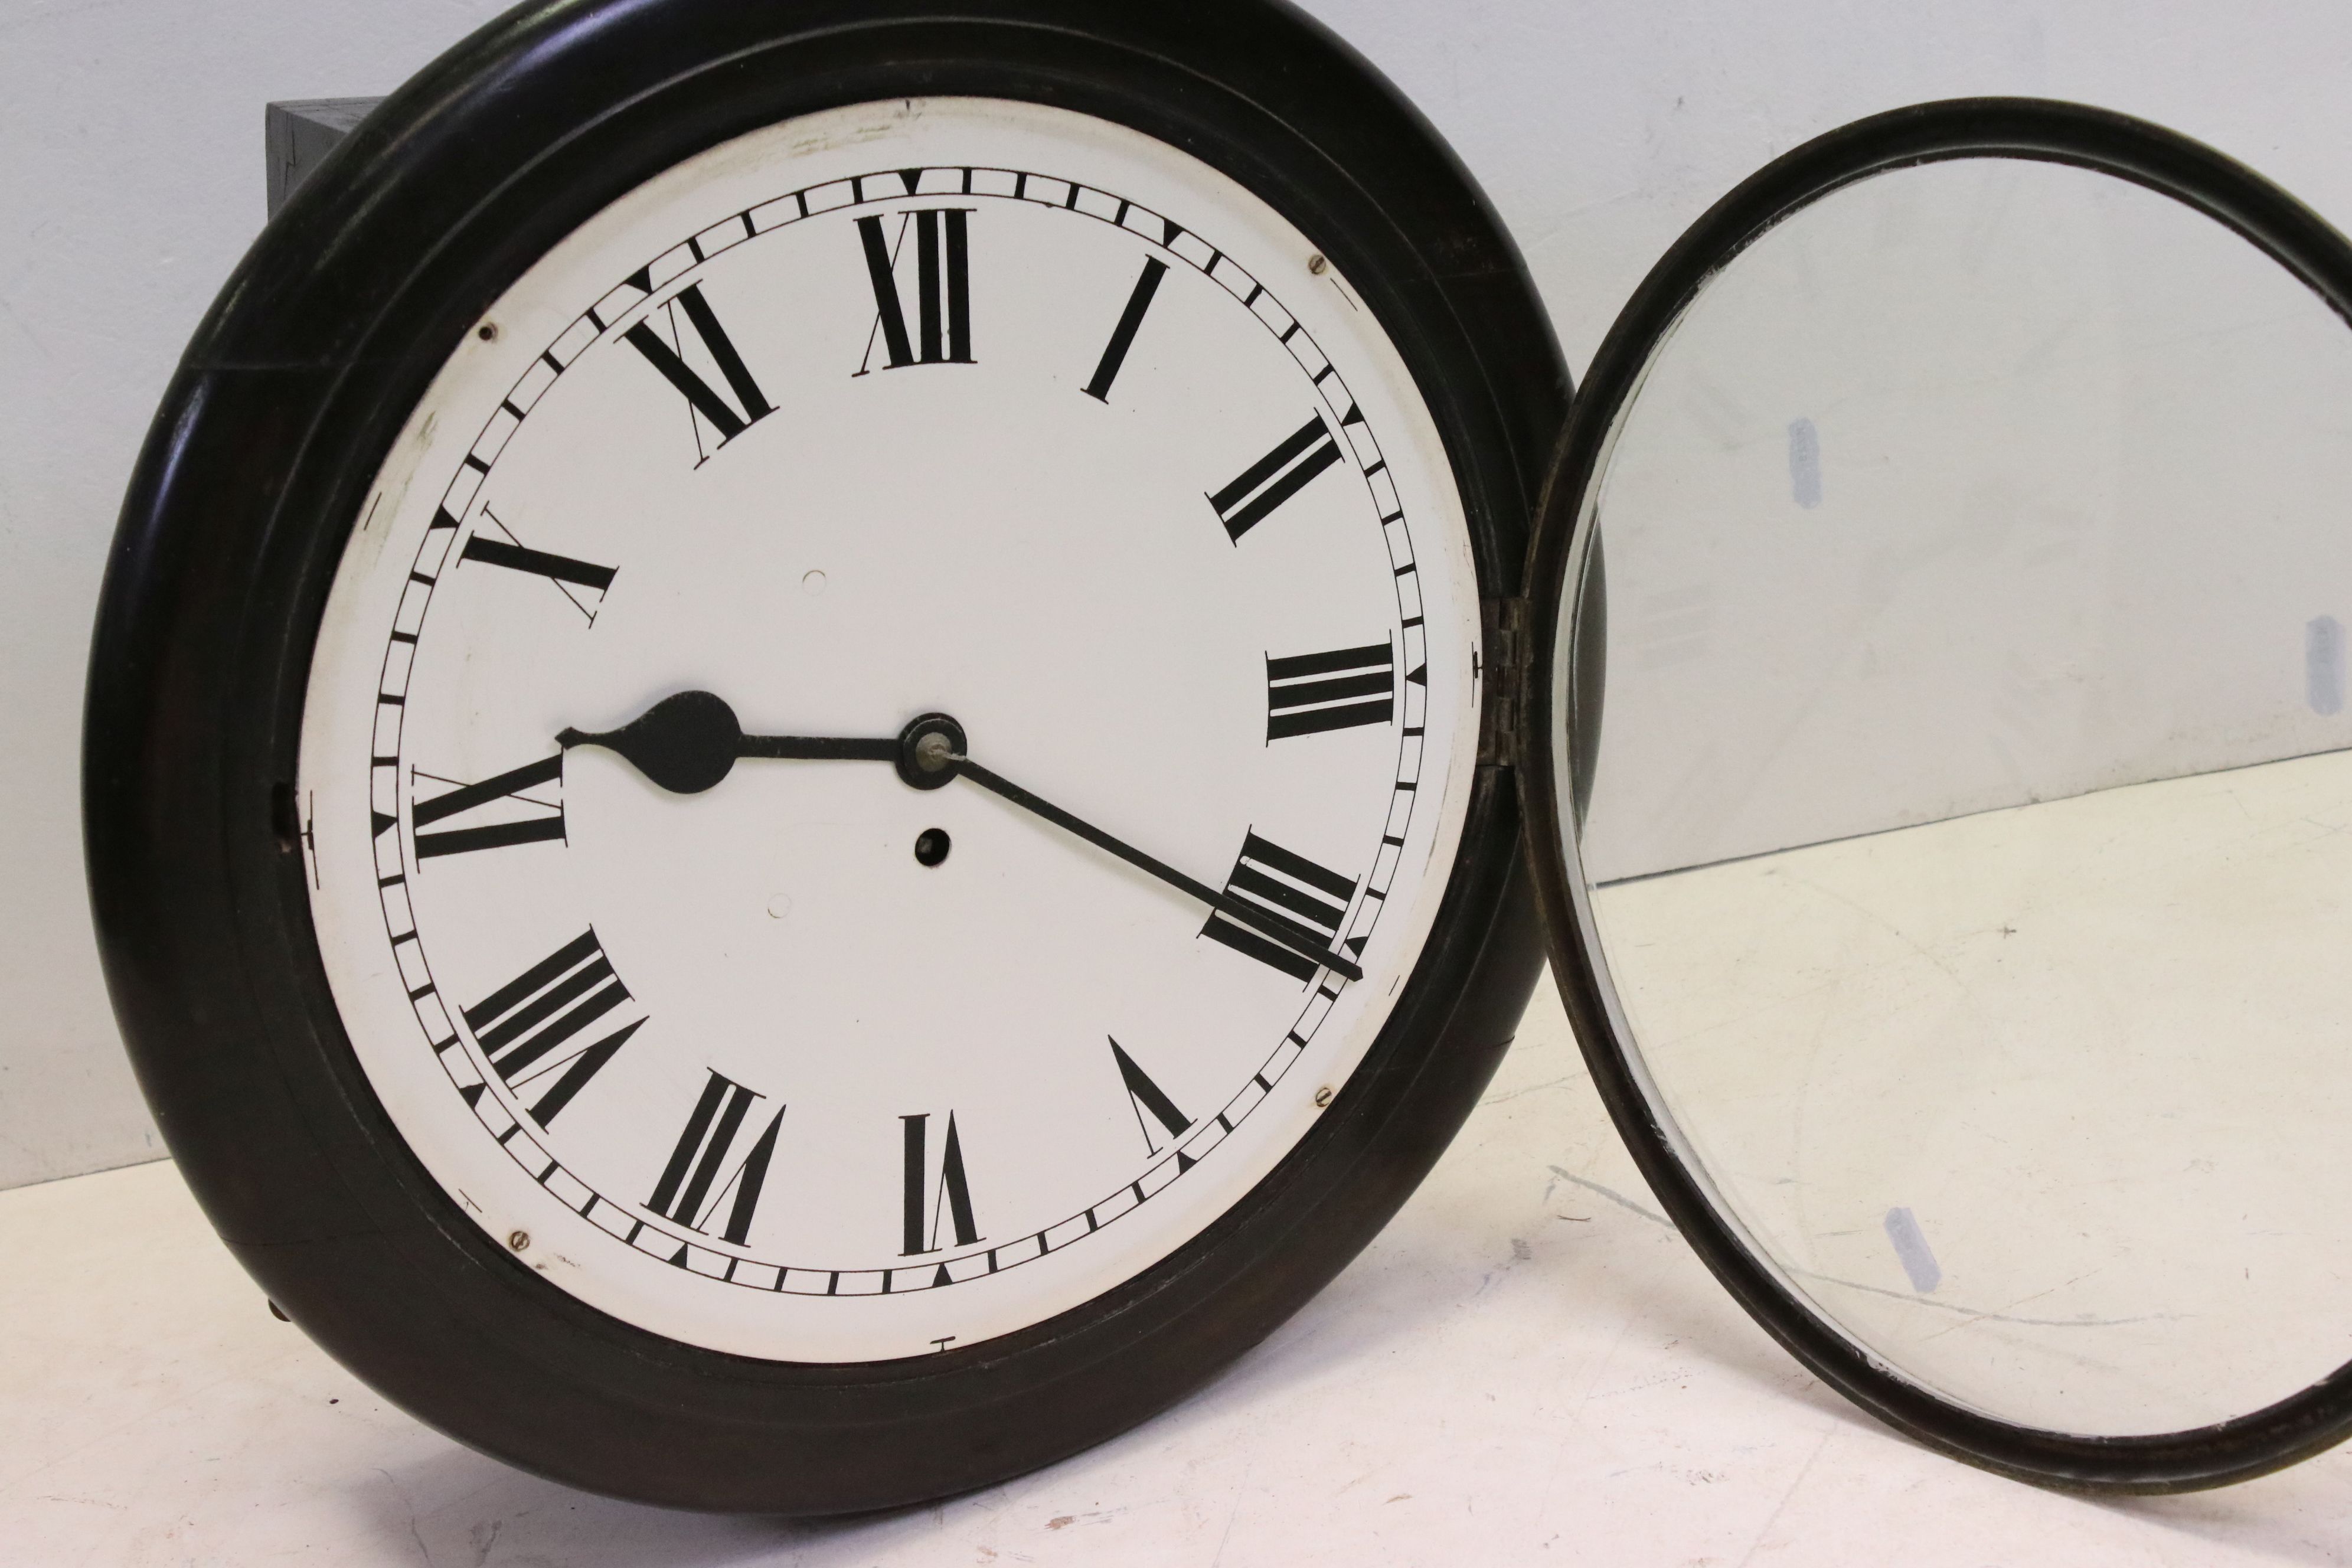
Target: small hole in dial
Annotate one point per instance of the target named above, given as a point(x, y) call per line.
point(932, 846)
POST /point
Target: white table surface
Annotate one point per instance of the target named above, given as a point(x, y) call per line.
point(1529, 1367)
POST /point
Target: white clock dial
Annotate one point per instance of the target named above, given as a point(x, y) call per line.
point(951, 407)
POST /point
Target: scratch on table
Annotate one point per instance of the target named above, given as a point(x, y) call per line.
point(1973, 1315)
point(1531, 1088)
point(1619, 1199)
point(1769, 1519)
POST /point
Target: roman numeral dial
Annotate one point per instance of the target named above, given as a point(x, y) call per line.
point(682, 619)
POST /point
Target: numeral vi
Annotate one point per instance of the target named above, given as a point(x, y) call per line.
point(930, 1203)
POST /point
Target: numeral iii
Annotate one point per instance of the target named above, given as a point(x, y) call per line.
point(1312, 692)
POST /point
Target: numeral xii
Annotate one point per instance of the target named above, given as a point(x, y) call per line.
point(942, 324)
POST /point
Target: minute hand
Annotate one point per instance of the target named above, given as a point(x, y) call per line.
point(1296, 938)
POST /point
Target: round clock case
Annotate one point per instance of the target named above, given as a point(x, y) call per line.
point(267, 685)
point(379, 1208)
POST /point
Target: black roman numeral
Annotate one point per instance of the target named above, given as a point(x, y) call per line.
point(751, 404)
point(523, 1025)
point(1312, 692)
point(942, 332)
point(545, 821)
point(929, 1202)
point(697, 1179)
point(1122, 337)
point(511, 554)
point(1143, 1095)
point(1276, 477)
point(1294, 891)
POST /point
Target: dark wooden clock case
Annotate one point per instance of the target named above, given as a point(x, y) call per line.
point(275, 421)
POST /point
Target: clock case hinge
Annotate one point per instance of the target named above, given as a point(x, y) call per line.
point(1503, 643)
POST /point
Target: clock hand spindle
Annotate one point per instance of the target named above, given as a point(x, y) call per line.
point(687, 742)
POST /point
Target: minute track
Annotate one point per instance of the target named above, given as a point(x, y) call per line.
point(614, 1202)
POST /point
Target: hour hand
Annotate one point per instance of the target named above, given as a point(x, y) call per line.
point(687, 742)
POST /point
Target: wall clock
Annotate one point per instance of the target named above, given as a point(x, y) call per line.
point(807, 756)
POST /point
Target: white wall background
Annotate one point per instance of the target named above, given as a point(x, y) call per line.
point(130, 179)
point(1972, 485)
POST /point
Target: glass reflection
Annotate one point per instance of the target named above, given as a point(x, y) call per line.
point(1970, 843)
